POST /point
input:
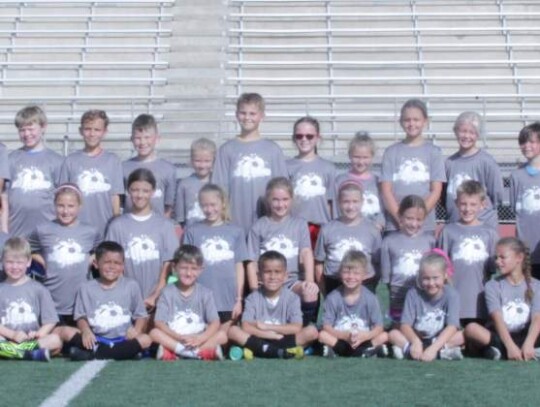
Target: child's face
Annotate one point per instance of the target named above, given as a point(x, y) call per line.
point(352, 275)
point(273, 275)
point(361, 159)
point(187, 272)
point(15, 265)
point(469, 206)
point(144, 141)
point(413, 122)
point(67, 208)
point(432, 280)
point(93, 132)
point(350, 204)
point(466, 136)
point(306, 138)
point(507, 260)
point(202, 162)
point(31, 135)
point(110, 266)
point(280, 201)
point(249, 116)
point(212, 206)
point(140, 193)
point(531, 148)
point(412, 220)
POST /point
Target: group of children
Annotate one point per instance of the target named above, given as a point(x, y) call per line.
point(288, 232)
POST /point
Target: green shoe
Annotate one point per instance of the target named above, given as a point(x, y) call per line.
point(297, 352)
point(248, 354)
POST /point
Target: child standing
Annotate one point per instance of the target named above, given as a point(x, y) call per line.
point(149, 239)
point(472, 163)
point(361, 153)
point(401, 252)
point(352, 322)
point(63, 247)
point(26, 308)
point(350, 232)
point(97, 173)
point(312, 177)
point(244, 165)
point(34, 171)
point(288, 235)
point(224, 250)
point(187, 209)
point(187, 322)
point(109, 312)
point(144, 136)
point(430, 320)
point(272, 320)
point(513, 302)
point(412, 166)
point(470, 245)
point(525, 193)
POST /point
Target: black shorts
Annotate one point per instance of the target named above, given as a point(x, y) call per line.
point(288, 341)
point(517, 337)
point(224, 316)
point(66, 320)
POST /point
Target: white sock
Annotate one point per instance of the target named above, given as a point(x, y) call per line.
point(181, 350)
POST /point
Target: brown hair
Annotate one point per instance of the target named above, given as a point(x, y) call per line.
point(250, 99)
point(144, 122)
point(528, 132)
point(413, 104)
point(411, 201)
point(95, 114)
point(470, 188)
point(519, 247)
point(68, 188)
point(216, 189)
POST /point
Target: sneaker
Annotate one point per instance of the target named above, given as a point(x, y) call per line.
point(79, 355)
point(372, 352)
point(236, 353)
point(165, 354)
point(296, 352)
point(450, 353)
point(211, 354)
point(537, 353)
point(397, 352)
point(40, 355)
point(328, 352)
point(248, 354)
point(492, 353)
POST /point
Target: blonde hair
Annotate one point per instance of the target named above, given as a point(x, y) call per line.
point(203, 144)
point(435, 259)
point(362, 139)
point(216, 189)
point(17, 246)
point(354, 258)
point(29, 115)
point(472, 118)
point(68, 189)
point(250, 99)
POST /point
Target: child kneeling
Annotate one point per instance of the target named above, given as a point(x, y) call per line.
point(109, 311)
point(353, 322)
point(272, 320)
point(187, 322)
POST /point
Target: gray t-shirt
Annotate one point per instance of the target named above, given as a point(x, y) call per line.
point(243, 168)
point(400, 260)
point(313, 183)
point(363, 315)
point(288, 237)
point(411, 169)
point(525, 200)
point(66, 250)
point(110, 312)
point(148, 244)
point(33, 178)
point(372, 207)
point(471, 249)
point(4, 163)
point(428, 317)
point(286, 310)
point(187, 209)
point(186, 315)
point(337, 238)
point(223, 246)
point(480, 167)
point(99, 178)
point(165, 174)
point(26, 307)
point(510, 300)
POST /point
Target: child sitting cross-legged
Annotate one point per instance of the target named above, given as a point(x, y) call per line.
point(187, 321)
point(272, 320)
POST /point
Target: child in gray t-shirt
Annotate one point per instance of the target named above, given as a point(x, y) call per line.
point(4, 177)
point(430, 320)
point(352, 321)
point(187, 322)
point(272, 320)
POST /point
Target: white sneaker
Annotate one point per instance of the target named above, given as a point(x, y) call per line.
point(328, 352)
point(537, 353)
point(398, 352)
point(450, 353)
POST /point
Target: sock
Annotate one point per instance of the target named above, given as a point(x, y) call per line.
point(309, 312)
point(185, 352)
point(342, 348)
point(120, 351)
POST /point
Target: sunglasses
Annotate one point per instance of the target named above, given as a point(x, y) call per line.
point(304, 136)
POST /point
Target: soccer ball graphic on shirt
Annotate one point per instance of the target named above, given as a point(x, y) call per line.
point(158, 193)
point(141, 249)
point(31, 179)
point(529, 201)
point(343, 246)
point(92, 181)
point(109, 316)
point(251, 166)
point(412, 171)
point(351, 323)
point(309, 186)
point(281, 244)
point(455, 183)
point(516, 314)
point(408, 264)
point(19, 312)
point(431, 323)
point(216, 250)
point(187, 322)
point(471, 250)
point(66, 253)
point(371, 205)
point(195, 212)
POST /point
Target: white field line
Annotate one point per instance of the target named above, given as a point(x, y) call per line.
point(72, 387)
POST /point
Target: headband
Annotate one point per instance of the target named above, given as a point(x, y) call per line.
point(70, 187)
point(442, 253)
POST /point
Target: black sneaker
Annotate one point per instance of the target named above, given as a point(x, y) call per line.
point(79, 355)
point(37, 355)
point(491, 352)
